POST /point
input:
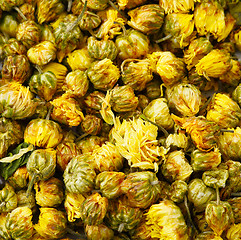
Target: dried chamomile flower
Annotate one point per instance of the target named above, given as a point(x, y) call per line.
point(129, 4)
point(67, 110)
point(13, 46)
point(177, 141)
point(224, 111)
point(101, 232)
point(234, 232)
point(8, 199)
point(177, 5)
point(4, 234)
point(19, 179)
point(178, 191)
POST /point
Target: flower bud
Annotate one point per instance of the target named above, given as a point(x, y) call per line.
point(19, 179)
point(26, 201)
point(9, 25)
point(180, 6)
point(13, 46)
point(99, 232)
point(91, 125)
point(234, 232)
point(4, 234)
point(178, 191)
point(235, 204)
point(177, 141)
point(8, 199)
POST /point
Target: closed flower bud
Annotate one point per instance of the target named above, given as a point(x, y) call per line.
point(4, 234)
point(89, 143)
point(49, 193)
point(153, 89)
point(8, 199)
point(166, 221)
point(219, 216)
point(79, 59)
point(147, 18)
point(91, 125)
point(215, 178)
point(136, 73)
point(28, 33)
point(181, 27)
point(13, 46)
point(43, 133)
point(236, 94)
point(97, 4)
point(89, 20)
point(8, 5)
point(79, 175)
point(103, 74)
point(121, 217)
point(132, 44)
point(107, 158)
point(123, 99)
point(94, 100)
point(16, 68)
point(176, 6)
point(101, 49)
point(185, 98)
point(28, 10)
point(47, 33)
point(197, 49)
point(199, 194)
point(235, 203)
point(19, 179)
point(204, 133)
point(143, 101)
point(202, 161)
point(65, 151)
point(48, 10)
point(141, 188)
point(42, 53)
point(158, 111)
point(26, 201)
point(99, 232)
point(177, 141)
point(178, 191)
point(224, 111)
point(44, 85)
point(9, 25)
point(19, 223)
point(16, 101)
point(109, 183)
point(52, 223)
point(76, 83)
point(67, 110)
point(72, 205)
point(176, 167)
point(215, 64)
point(93, 209)
point(11, 134)
point(170, 68)
point(234, 232)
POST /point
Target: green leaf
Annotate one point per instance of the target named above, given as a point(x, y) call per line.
point(8, 169)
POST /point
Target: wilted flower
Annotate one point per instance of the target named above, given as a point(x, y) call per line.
point(157, 111)
point(141, 188)
point(42, 53)
point(177, 141)
point(49, 193)
point(180, 26)
point(16, 68)
point(203, 132)
point(185, 98)
point(224, 111)
point(52, 223)
point(67, 110)
point(202, 161)
point(147, 18)
point(215, 64)
point(103, 74)
point(166, 221)
point(76, 83)
point(79, 59)
point(16, 101)
point(196, 50)
point(48, 10)
point(199, 194)
point(176, 167)
point(43, 133)
point(170, 68)
point(72, 205)
point(19, 223)
point(79, 175)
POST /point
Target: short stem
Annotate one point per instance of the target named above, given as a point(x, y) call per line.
point(226, 130)
point(159, 127)
point(31, 183)
point(121, 227)
point(49, 112)
point(73, 25)
point(82, 236)
point(122, 27)
point(164, 38)
point(69, 5)
point(205, 104)
point(81, 137)
point(20, 13)
point(218, 196)
point(40, 71)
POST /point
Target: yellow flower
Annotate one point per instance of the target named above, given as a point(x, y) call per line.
point(72, 205)
point(237, 39)
point(176, 5)
point(214, 64)
point(79, 59)
point(66, 110)
point(136, 141)
point(128, 4)
point(166, 221)
point(59, 70)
